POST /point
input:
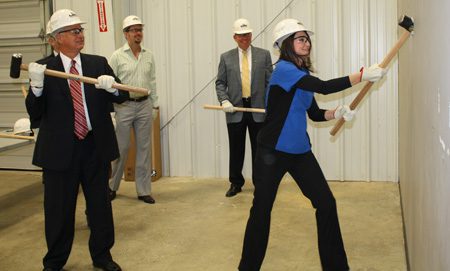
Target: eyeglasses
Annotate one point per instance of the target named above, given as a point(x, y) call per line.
point(74, 31)
point(303, 39)
point(136, 30)
point(245, 35)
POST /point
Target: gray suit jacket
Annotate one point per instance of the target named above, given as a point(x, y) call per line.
point(229, 85)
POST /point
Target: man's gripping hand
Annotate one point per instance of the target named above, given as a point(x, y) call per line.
point(227, 107)
point(105, 82)
point(36, 74)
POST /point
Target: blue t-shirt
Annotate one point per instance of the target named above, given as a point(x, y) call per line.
point(285, 124)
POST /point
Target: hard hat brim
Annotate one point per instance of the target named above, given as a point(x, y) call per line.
point(123, 28)
point(243, 31)
point(61, 27)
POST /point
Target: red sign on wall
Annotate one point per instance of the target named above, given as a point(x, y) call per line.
point(101, 14)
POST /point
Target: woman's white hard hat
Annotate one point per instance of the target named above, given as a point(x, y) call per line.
point(285, 28)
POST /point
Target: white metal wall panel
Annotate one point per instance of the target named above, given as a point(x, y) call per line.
point(354, 33)
point(188, 37)
point(180, 68)
point(204, 54)
point(363, 33)
point(157, 36)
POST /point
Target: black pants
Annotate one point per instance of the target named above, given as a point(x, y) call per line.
point(271, 166)
point(60, 198)
point(236, 137)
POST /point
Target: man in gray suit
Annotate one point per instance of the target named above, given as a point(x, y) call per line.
point(242, 78)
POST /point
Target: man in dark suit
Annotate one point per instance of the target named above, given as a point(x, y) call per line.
point(34, 123)
point(76, 143)
point(242, 77)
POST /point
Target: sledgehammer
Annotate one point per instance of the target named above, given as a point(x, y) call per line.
point(408, 24)
point(16, 66)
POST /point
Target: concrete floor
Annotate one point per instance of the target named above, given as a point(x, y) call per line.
point(194, 227)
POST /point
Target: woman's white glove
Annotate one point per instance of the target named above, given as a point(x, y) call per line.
point(105, 82)
point(373, 73)
point(344, 111)
point(36, 74)
point(227, 107)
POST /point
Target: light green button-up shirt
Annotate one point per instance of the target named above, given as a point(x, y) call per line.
point(137, 72)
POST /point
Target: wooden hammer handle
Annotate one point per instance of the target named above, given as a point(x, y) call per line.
point(88, 80)
point(239, 109)
point(24, 91)
point(16, 136)
point(387, 59)
point(352, 106)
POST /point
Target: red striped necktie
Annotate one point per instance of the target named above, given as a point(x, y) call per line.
point(81, 128)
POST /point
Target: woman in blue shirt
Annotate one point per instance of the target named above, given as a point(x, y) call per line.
point(284, 146)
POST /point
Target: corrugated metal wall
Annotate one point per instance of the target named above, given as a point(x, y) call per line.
point(188, 36)
point(21, 26)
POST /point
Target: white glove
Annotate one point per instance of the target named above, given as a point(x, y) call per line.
point(373, 73)
point(227, 106)
point(344, 111)
point(155, 113)
point(105, 82)
point(36, 74)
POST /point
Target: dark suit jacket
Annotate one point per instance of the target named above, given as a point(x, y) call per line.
point(35, 119)
point(55, 141)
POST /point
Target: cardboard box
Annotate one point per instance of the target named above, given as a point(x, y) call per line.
point(129, 171)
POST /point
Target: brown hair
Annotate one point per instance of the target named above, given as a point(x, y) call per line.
point(287, 53)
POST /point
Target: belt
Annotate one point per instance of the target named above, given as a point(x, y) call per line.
point(138, 99)
point(247, 102)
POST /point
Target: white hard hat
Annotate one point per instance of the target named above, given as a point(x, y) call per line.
point(22, 126)
point(48, 29)
point(285, 28)
point(131, 20)
point(62, 18)
point(241, 26)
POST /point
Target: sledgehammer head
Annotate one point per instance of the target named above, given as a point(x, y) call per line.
point(16, 61)
point(407, 23)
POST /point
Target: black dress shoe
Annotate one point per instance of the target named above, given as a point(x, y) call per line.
point(147, 199)
point(112, 194)
point(108, 266)
point(234, 189)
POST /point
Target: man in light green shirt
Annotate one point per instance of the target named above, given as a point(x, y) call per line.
point(134, 65)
